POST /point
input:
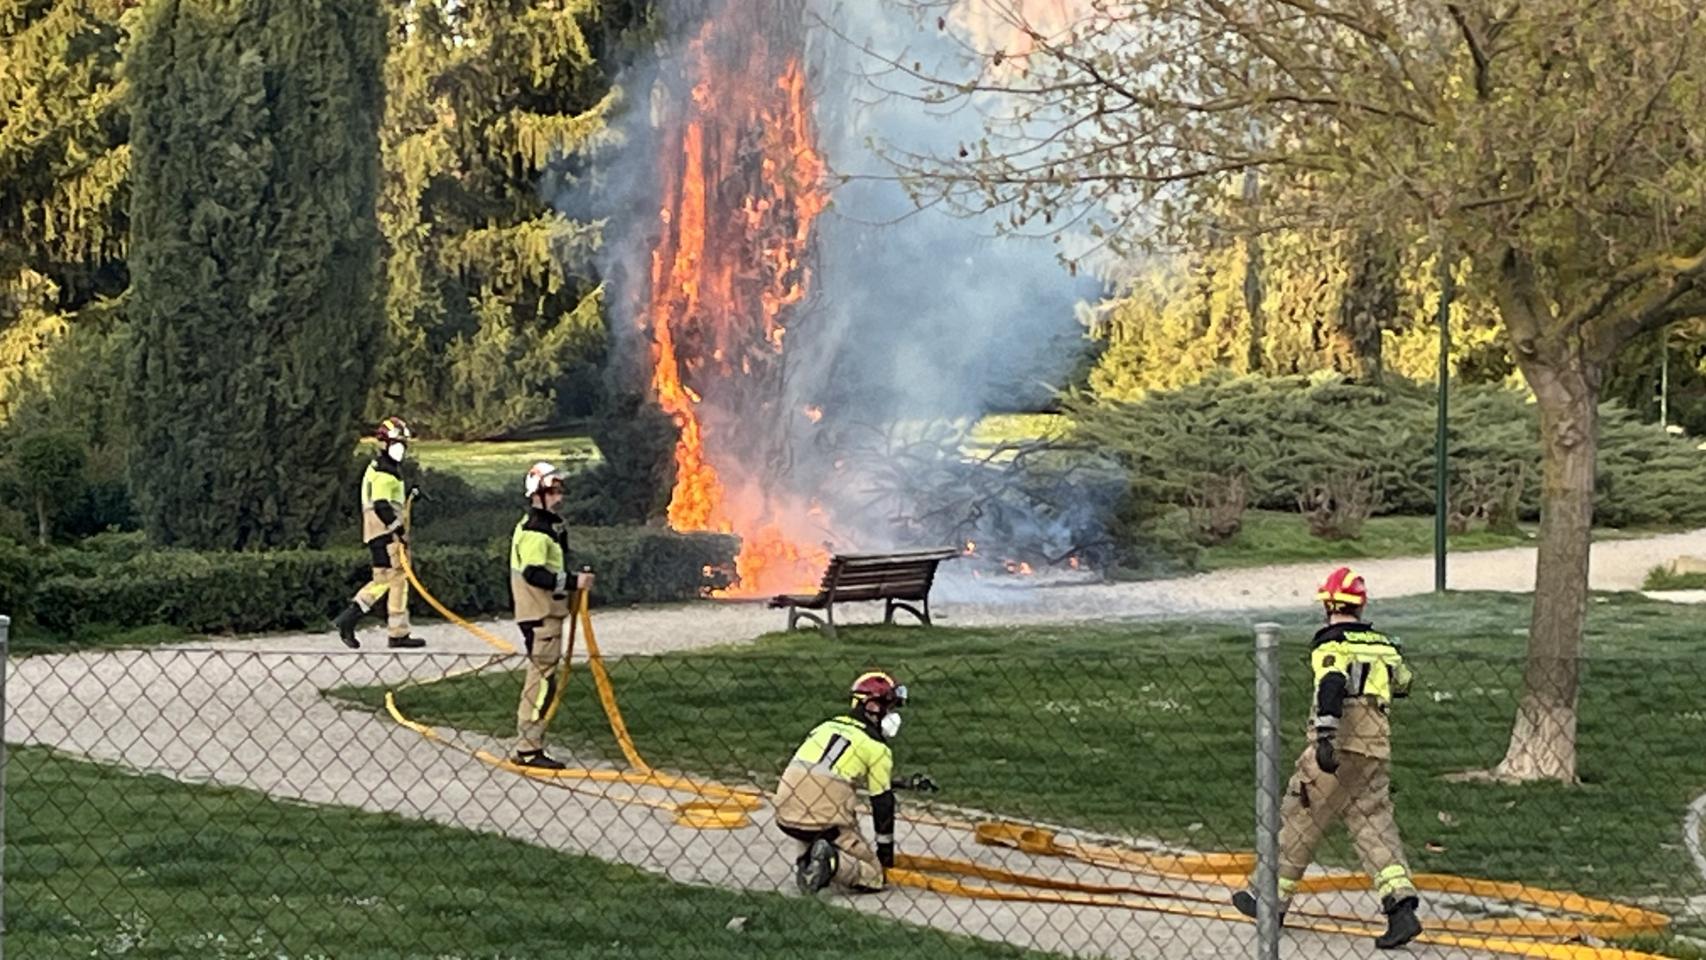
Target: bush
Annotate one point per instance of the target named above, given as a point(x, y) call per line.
point(1664, 578)
point(632, 485)
point(1285, 433)
point(294, 589)
point(19, 572)
point(1217, 509)
point(457, 512)
point(48, 470)
point(1337, 506)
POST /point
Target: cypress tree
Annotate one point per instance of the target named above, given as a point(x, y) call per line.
point(254, 264)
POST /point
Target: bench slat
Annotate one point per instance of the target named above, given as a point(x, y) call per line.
point(850, 578)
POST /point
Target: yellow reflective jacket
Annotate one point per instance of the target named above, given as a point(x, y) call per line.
point(538, 566)
point(381, 500)
point(1358, 672)
point(817, 788)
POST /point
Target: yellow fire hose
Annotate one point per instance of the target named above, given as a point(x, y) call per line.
point(718, 806)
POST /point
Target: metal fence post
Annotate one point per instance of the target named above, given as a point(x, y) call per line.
point(1267, 791)
point(5, 653)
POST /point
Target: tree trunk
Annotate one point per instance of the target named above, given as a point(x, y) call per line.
point(1367, 308)
point(44, 530)
point(1543, 740)
point(1255, 359)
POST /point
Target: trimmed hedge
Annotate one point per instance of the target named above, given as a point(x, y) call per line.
point(1283, 434)
point(293, 589)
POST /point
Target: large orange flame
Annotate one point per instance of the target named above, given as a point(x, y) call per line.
point(742, 184)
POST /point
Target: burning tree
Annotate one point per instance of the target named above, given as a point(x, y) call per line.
point(741, 185)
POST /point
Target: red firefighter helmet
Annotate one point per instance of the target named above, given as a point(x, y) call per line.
point(1343, 590)
point(393, 430)
point(878, 689)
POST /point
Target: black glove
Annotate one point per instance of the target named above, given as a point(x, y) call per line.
point(917, 781)
point(1326, 757)
point(885, 855)
point(416, 493)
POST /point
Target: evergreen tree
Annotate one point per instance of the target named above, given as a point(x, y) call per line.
point(254, 251)
point(63, 168)
point(493, 317)
point(1348, 303)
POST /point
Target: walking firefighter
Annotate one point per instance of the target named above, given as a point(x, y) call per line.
point(539, 583)
point(382, 499)
point(1345, 772)
point(815, 801)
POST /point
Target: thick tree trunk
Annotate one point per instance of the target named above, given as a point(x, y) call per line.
point(1543, 740)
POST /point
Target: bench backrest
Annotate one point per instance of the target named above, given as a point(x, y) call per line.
point(904, 575)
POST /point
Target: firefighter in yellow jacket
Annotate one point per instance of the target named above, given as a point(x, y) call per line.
point(1346, 771)
point(539, 583)
point(815, 801)
point(382, 499)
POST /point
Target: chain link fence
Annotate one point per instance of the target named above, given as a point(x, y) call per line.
point(225, 800)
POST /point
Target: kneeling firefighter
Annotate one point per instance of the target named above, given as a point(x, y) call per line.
point(815, 801)
point(1346, 771)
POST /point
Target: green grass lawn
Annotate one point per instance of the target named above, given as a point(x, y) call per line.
point(999, 428)
point(1145, 728)
point(500, 465)
point(28, 639)
point(1271, 536)
point(103, 863)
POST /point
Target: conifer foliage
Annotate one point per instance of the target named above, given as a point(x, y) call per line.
point(63, 170)
point(254, 253)
point(493, 316)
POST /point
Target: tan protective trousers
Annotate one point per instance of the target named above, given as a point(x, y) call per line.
point(392, 583)
point(810, 802)
point(1360, 794)
point(544, 647)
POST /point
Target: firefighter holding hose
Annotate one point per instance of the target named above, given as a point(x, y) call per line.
point(382, 501)
point(539, 584)
point(815, 803)
point(1345, 772)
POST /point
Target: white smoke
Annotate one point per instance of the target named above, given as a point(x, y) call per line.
point(917, 322)
point(928, 313)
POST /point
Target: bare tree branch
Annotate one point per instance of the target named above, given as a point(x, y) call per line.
point(1483, 75)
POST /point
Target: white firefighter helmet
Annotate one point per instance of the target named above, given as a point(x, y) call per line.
point(542, 476)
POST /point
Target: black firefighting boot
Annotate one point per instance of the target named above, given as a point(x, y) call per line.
point(406, 643)
point(814, 870)
point(345, 622)
point(538, 760)
point(1401, 923)
point(1245, 901)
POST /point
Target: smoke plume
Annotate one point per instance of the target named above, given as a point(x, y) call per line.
point(823, 342)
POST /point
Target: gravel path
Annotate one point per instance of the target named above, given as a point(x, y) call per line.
point(250, 713)
point(959, 601)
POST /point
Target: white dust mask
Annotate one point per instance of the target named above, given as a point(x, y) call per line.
point(395, 452)
point(891, 725)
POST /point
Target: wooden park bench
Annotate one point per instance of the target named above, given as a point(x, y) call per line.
point(901, 580)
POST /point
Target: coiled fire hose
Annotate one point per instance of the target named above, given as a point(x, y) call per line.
point(718, 806)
